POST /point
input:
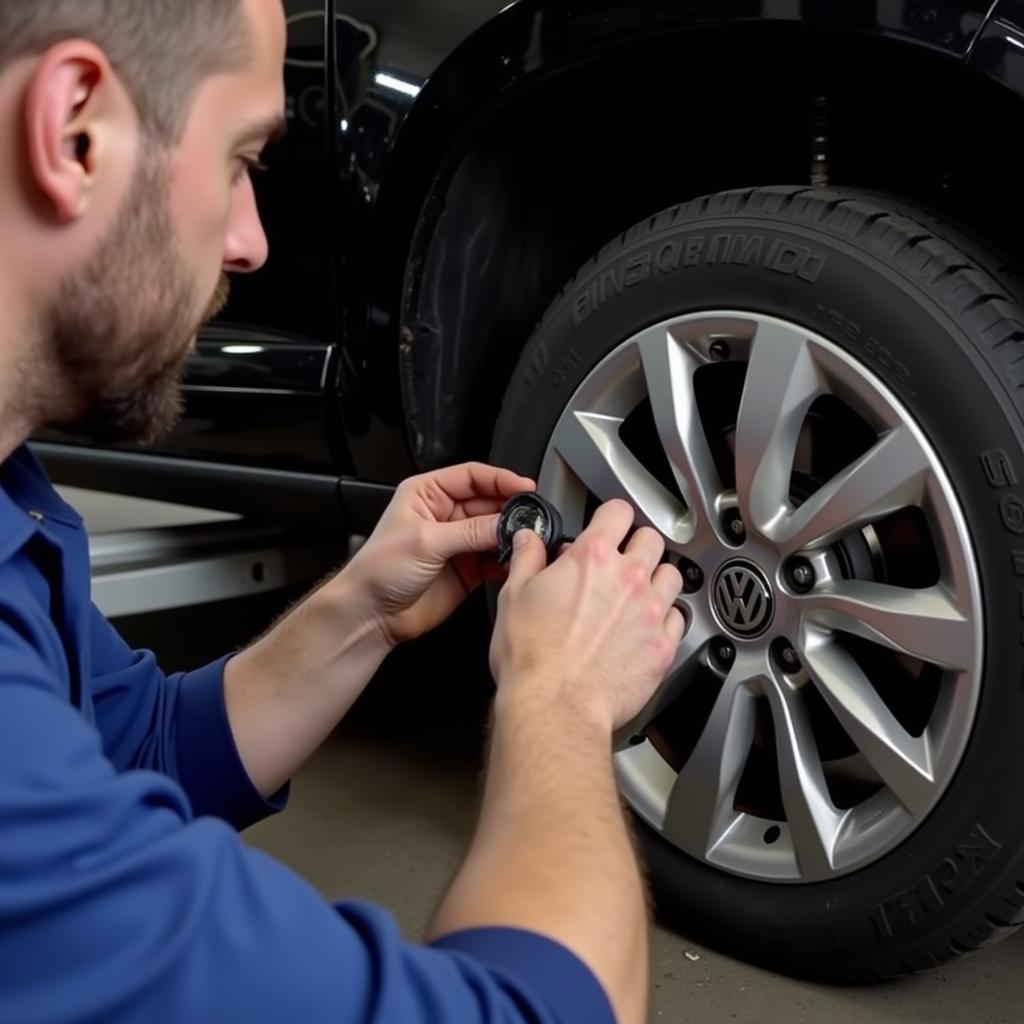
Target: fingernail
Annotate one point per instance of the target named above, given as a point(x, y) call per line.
point(521, 539)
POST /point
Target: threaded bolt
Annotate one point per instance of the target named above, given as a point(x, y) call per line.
point(693, 578)
point(734, 527)
point(723, 653)
point(800, 575)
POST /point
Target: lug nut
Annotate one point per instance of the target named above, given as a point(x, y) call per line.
point(719, 351)
point(800, 575)
point(786, 656)
point(723, 654)
point(693, 578)
point(734, 528)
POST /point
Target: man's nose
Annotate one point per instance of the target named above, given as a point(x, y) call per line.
point(246, 248)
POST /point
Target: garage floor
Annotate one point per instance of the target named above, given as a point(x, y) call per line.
point(384, 811)
point(387, 820)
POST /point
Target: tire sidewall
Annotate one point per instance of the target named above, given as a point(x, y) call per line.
point(910, 336)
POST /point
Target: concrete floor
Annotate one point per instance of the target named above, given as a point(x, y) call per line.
point(385, 809)
point(387, 820)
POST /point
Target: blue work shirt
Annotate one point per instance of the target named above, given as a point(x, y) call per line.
point(125, 892)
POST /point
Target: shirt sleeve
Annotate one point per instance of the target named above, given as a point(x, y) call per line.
point(177, 725)
point(117, 905)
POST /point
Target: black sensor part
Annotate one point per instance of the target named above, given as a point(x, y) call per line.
point(529, 512)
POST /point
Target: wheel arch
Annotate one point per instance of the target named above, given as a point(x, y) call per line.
point(527, 102)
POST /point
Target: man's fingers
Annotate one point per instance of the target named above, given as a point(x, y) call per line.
point(464, 537)
point(646, 547)
point(482, 506)
point(667, 582)
point(675, 626)
point(477, 480)
point(529, 557)
point(613, 520)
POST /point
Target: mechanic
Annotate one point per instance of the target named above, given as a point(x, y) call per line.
point(129, 128)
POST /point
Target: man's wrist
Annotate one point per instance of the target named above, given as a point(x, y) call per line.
point(327, 632)
point(346, 608)
point(528, 697)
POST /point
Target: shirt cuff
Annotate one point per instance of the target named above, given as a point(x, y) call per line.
point(539, 969)
point(210, 769)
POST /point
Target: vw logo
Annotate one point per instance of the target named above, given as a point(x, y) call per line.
point(743, 599)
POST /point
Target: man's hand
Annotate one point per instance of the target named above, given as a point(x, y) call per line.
point(595, 632)
point(289, 690)
point(579, 648)
point(428, 551)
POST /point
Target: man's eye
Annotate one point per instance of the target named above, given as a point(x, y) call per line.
point(249, 165)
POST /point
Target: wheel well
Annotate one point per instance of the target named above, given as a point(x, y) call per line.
point(578, 157)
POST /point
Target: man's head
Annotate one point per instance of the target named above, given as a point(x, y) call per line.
point(127, 132)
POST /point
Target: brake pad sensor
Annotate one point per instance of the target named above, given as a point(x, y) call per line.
point(530, 512)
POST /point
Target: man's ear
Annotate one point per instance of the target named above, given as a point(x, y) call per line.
point(69, 97)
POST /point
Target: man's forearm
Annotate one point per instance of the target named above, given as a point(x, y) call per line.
point(290, 689)
point(552, 853)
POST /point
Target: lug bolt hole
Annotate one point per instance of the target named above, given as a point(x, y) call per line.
point(734, 528)
point(772, 835)
point(693, 577)
point(723, 654)
point(719, 351)
point(786, 657)
point(800, 575)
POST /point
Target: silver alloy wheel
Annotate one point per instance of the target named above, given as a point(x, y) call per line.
point(747, 605)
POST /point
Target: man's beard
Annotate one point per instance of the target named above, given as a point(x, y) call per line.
point(119, 330)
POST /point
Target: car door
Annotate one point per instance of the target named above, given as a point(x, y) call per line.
point(258, 389)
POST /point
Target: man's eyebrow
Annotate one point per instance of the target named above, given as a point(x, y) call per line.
point(269, 130)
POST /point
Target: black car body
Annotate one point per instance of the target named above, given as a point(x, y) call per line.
point(448, 166)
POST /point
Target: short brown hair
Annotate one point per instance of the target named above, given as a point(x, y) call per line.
point(162, 50)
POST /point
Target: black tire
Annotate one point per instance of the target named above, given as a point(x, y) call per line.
point(932, 315)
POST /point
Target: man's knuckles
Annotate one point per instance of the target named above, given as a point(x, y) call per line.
point(595, 549)
point(635, 579)
point(654, 614)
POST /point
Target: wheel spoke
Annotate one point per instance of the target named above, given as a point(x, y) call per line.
point(813, 821)
point(593, 450)
point(668, 370)
point(700, 806)
point(902, 761)
point(782, 383)
point(744, 774)
point(891, 476)
point(925, 624)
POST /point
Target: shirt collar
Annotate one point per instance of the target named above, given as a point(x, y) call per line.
point(27, 494)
